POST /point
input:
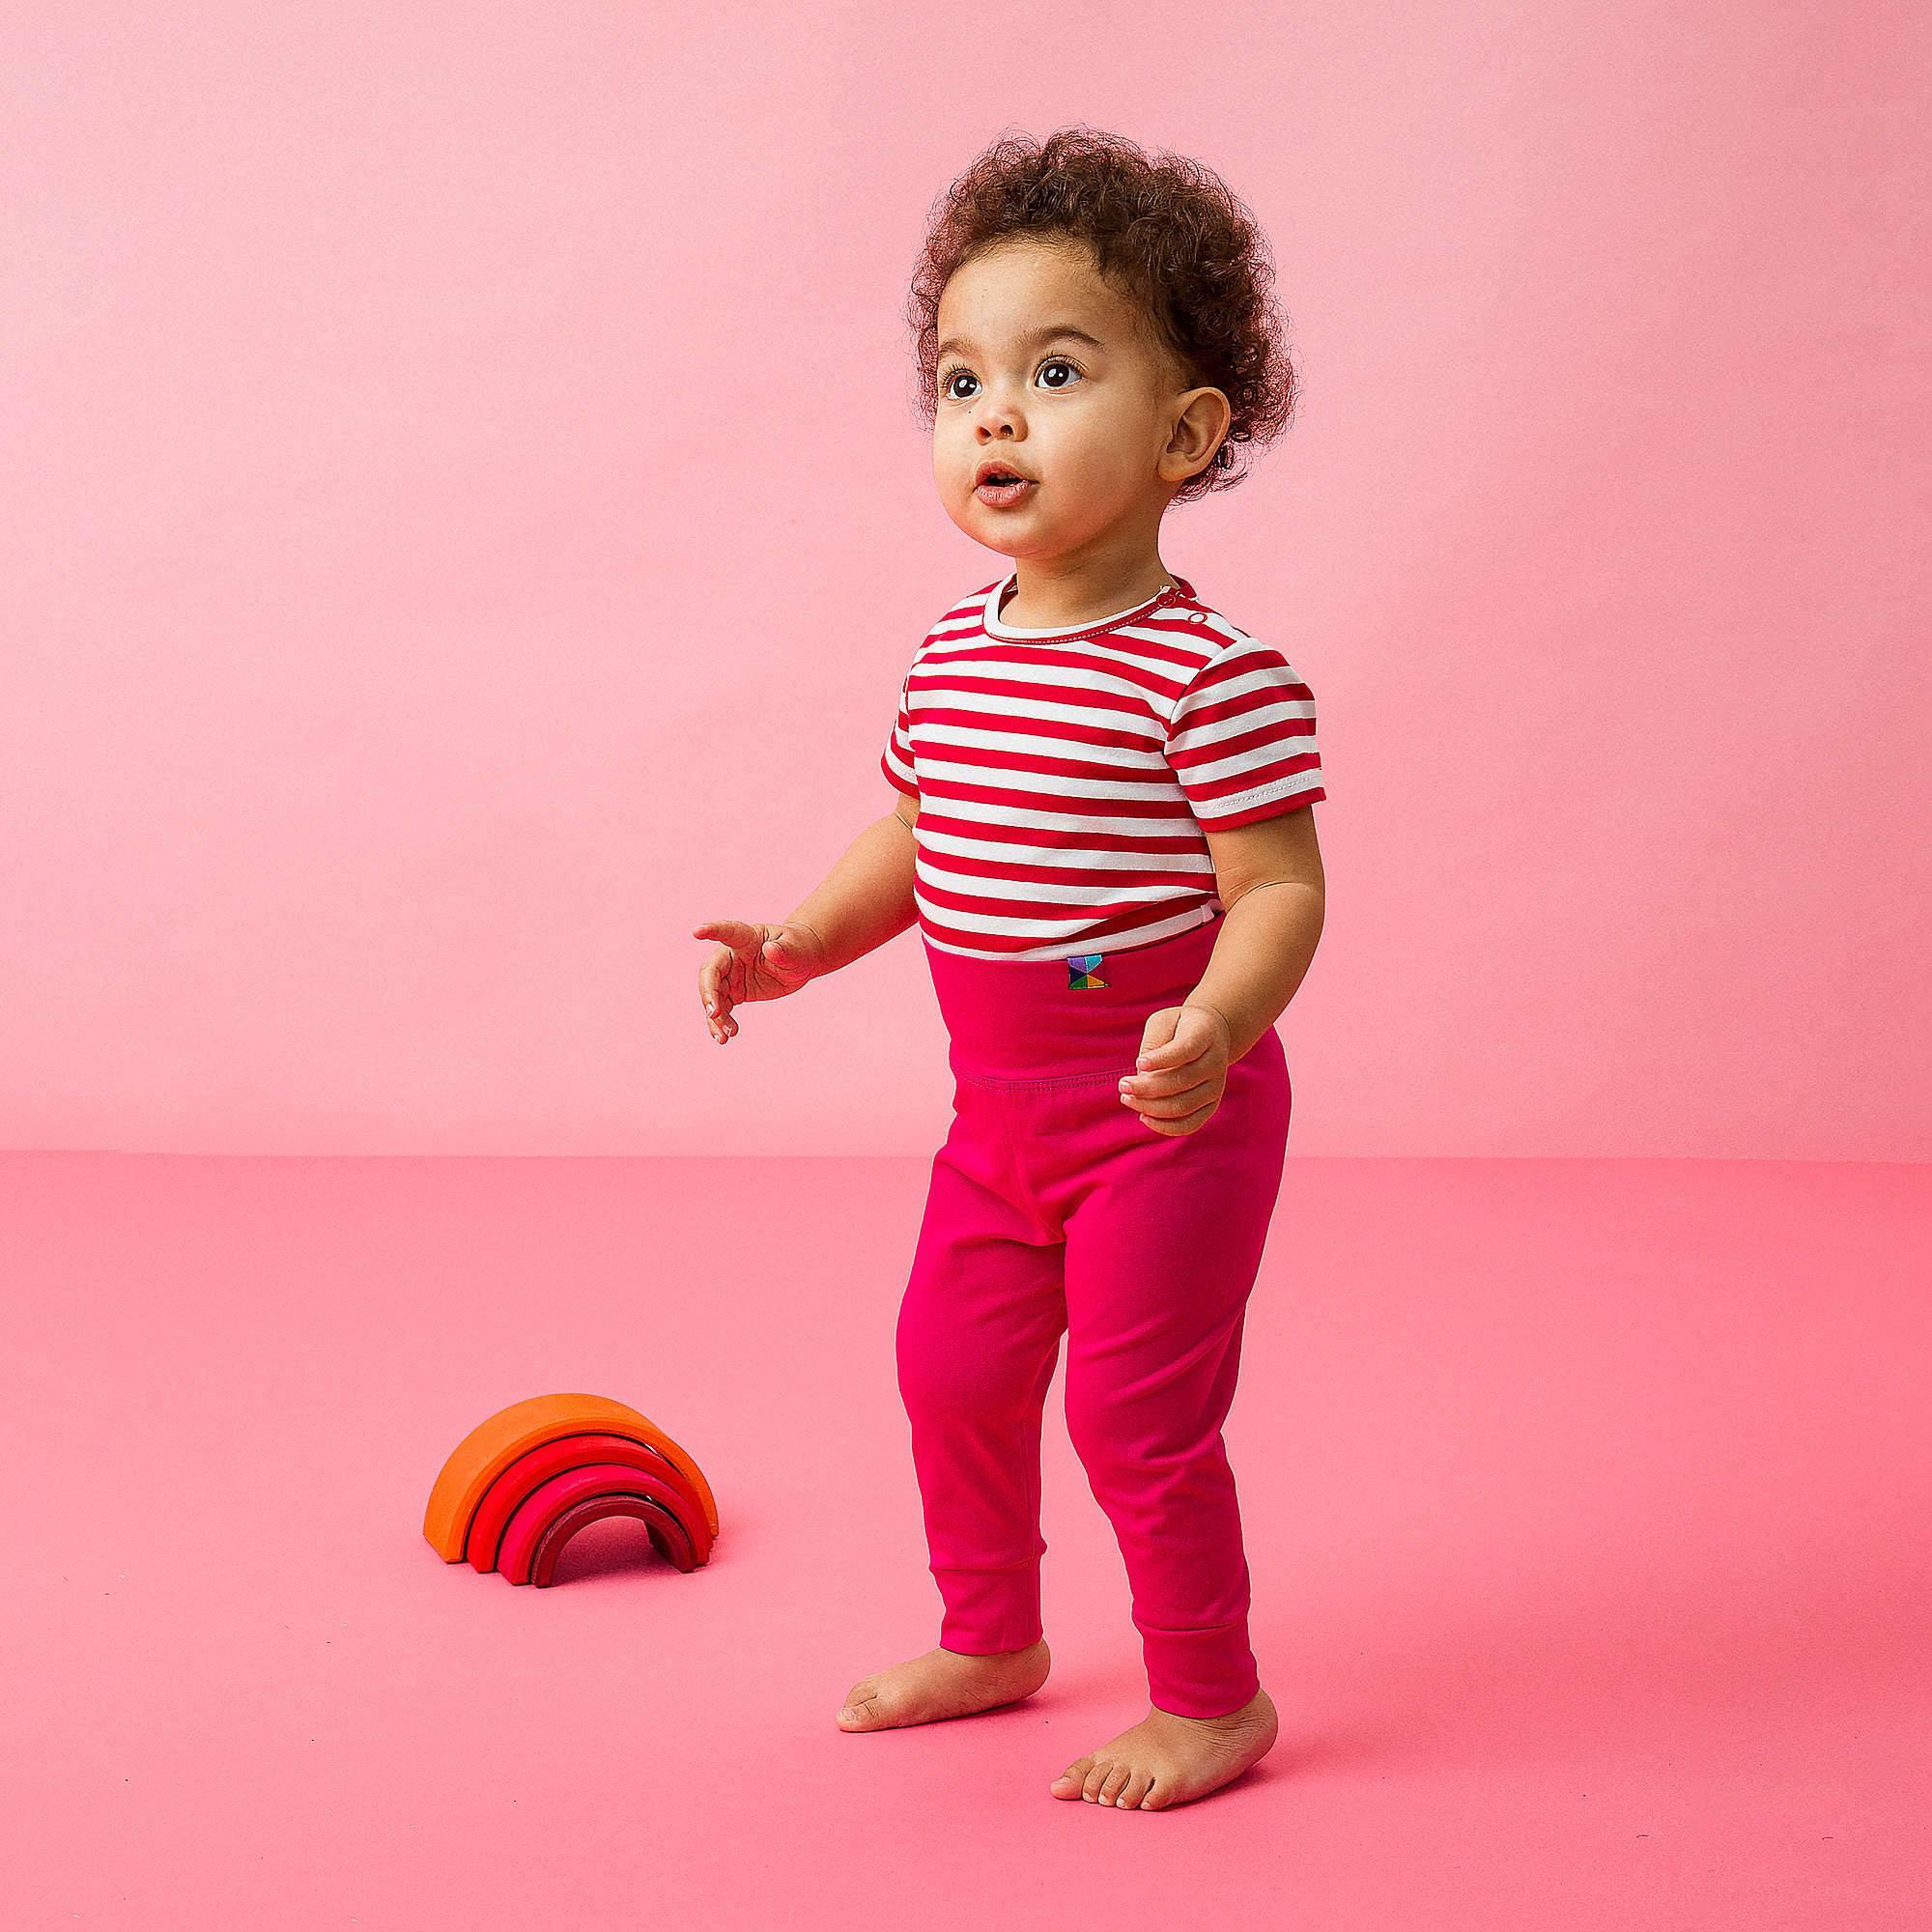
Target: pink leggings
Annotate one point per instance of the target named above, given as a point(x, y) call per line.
point(1053, 1209)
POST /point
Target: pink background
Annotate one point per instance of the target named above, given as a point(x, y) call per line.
point(465, 524)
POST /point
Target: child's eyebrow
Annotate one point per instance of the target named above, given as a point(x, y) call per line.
point(1038, 338)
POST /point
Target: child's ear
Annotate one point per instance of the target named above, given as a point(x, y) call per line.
point(1199, 438)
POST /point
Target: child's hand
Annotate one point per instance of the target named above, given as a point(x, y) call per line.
point(1183, 1069)
point(753, 962)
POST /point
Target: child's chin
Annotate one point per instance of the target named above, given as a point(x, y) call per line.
point(995, 531)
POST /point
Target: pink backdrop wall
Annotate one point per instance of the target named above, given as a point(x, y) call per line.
point(463, 523)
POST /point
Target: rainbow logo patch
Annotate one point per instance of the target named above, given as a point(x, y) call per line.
point(1080, 972)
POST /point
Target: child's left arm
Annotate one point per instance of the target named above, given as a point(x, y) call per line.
point(1269, 880)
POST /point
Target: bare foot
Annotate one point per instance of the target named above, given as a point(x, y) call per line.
point(1166, 1760)
point(943, 1684)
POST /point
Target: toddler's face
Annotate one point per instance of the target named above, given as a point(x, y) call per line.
point(1090, 417)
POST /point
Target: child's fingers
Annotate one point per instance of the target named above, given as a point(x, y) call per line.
point(733, 933)
point(1172, 1037)
point(1159, 1082)
point(735, 940)
point(1188, 1123)
point(714, 992)
point(1181, 1113)
point(1181, 1062)
point(720, 1026)
point(1172, 1103)
point(713, 988)
point(1190, 1036)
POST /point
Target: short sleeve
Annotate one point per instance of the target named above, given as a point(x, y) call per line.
point(897, 759)
point(1240, 739)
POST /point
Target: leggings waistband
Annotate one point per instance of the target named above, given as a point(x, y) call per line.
point(1081, 1014)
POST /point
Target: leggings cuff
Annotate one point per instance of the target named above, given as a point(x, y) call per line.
point(988, 1610)
point(1204, 1673)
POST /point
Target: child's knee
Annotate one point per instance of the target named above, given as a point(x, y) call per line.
point(946, 1373)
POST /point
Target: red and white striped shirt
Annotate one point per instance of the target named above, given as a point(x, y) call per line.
point(1066, 778)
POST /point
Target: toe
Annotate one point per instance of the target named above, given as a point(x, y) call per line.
point(1158, 1798)
point(1067, 1785)
point(1096, 1777)
point(1136, 1789)
point(859, 1708)
point(1115, 1783)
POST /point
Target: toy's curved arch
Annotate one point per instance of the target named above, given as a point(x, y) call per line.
point(498, 1441)
point(539, 1525)
point(664, 1530)
point(653, 1476)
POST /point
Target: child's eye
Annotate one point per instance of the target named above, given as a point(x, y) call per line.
point(1059, 362)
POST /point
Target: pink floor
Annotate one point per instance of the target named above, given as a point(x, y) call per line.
point(1586, 1502)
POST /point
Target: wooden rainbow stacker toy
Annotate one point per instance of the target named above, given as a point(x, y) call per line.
point(520, 1484)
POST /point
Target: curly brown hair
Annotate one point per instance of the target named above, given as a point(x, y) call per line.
point(1166, 232)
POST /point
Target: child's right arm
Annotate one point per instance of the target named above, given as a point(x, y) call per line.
point(865, 901)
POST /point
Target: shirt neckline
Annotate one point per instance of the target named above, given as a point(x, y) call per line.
point(990, 621)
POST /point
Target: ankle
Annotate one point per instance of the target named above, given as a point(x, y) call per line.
point(994, 1656)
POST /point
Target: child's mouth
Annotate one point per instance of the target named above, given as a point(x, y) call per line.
point(1001, 494)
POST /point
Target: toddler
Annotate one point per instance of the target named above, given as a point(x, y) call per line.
point(1100, 827)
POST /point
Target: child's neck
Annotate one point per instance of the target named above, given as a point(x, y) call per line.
point(1048, 600)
